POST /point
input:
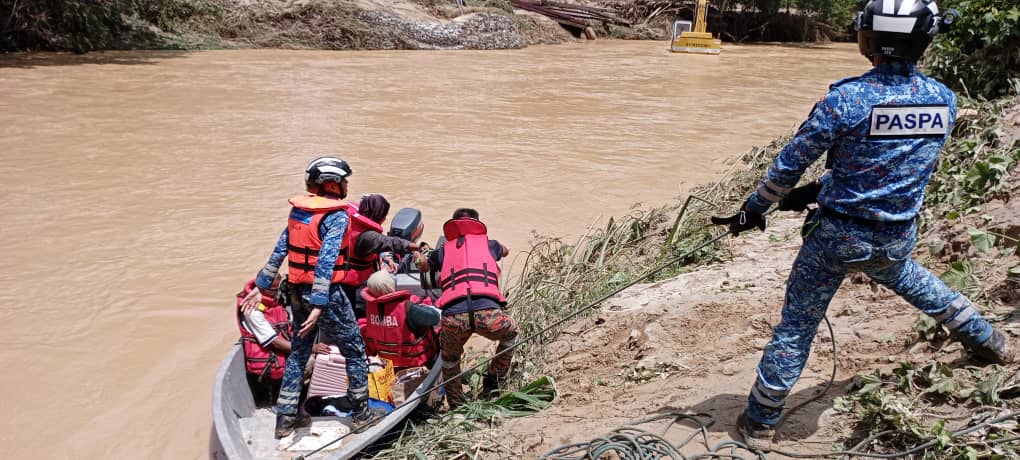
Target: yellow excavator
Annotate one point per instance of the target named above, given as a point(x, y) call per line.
point(697, 40)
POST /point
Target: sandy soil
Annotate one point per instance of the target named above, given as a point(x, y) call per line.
point(691, 344)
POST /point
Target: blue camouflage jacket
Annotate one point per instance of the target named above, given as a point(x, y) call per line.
point(332, 228)
point(883, 132)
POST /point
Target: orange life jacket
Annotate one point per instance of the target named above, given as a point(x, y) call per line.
point(386, 332)
point(468, 267)
point(358, 269)
point(304, 241)
point(259, 360)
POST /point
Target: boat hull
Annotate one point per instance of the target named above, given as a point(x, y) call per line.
point(233, 402)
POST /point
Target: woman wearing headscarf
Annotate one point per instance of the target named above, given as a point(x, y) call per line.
point(369, 243)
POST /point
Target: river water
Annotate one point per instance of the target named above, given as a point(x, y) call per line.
point(141, 190)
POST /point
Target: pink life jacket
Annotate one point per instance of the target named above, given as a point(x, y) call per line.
point(259, 360)
point(356, 268)
point(468, 267)
point(386, 332)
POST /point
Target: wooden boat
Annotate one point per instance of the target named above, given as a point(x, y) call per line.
point(243, 431)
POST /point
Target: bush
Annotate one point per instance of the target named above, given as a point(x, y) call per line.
point(84, 25)
point(979, 54)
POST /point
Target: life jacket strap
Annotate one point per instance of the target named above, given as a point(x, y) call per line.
point(482, 275)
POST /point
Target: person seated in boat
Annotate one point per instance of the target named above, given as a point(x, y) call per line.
point(465, 267)
point(397, 325)
point(265, 340)
point(366, 232)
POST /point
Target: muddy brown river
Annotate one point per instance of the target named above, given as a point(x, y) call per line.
point(141, 190)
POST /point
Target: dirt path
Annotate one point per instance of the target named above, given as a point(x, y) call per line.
point(691, 344)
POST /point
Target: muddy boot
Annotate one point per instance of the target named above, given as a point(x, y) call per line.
point(490, 387)
point(757, 436)
point(286, 424)
point(995, 350)
point(361, 413)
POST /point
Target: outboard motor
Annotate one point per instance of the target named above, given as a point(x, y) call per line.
point(407, 224)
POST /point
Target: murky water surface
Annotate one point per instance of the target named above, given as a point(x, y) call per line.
point(141, 190)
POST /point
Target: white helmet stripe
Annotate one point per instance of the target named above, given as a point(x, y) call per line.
point(888, 6)
point(330, 169)
point(905, 7)
point(903, 25)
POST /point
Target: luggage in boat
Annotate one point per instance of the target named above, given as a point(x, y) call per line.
point(329, 376)
point(381, 379)
point(407, 382)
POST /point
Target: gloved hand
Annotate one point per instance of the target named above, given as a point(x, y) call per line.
point(799, 198)
point(743, 220)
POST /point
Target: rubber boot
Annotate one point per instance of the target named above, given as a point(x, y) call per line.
point(490, 387)
point(995, 350)
point(361, 413)
point(286, 424)
point(757, 436)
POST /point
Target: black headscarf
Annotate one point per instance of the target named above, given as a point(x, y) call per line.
point(374, 207)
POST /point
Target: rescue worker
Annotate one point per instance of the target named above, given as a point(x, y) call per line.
point(265, 340)
point(398, 326)
point(468, 273)
point(316, 227)
point(364, 242)
point(883, 132)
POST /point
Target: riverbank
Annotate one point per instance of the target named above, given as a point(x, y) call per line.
point(52, 25)
point(689, 340)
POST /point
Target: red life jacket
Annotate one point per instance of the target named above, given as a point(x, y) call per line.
point(386, 332)
point(258, 360)
point(358, 269)
point(304, 241)
point(468, 267)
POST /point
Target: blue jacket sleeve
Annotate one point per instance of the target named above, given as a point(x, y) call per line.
point(272, 267)
point(813, 138)
point(333, 229)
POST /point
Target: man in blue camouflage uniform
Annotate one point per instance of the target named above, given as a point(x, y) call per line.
point(883, 132)
point(320, 308)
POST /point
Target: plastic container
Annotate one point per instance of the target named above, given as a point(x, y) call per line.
point(329, 377)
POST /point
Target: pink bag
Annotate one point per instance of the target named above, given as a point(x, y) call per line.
point(329, 376)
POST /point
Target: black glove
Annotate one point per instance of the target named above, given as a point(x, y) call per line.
point(744, 220)
point(799, 198)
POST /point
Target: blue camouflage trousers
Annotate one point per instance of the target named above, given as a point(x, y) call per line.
point(833, 247)
point(337, 326)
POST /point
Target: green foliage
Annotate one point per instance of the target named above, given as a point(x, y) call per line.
point(980, 54)
point(961, 277)
point(974, 166)
point(84, 25)
point(981, 239)
point(498, 4)
point(910, 401)
point(839, 13)
point(447, 436)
